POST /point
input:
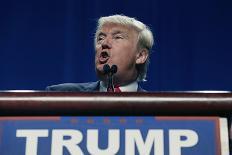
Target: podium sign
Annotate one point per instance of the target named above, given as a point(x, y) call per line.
point(98, 135)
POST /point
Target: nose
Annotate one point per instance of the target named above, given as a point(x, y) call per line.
point(106, 44)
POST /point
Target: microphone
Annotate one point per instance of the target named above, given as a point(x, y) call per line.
point(106, 69)
point(114, 69)
point(110, 71)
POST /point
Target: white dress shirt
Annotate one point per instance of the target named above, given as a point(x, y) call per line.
point(131, 87)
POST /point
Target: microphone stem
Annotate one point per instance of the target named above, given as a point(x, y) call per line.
point(110, 87)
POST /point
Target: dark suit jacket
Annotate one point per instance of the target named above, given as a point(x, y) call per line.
point(79, 87)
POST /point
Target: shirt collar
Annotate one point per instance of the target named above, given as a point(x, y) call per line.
point(131, 87)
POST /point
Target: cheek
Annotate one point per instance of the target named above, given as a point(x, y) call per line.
point(97, 48)
point(96, 60)
point(127, 61)
point(96, 53)
point(125, 54)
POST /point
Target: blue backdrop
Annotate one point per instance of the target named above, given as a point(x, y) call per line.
point(47, 42)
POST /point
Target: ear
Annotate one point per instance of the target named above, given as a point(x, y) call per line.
point(141, 56)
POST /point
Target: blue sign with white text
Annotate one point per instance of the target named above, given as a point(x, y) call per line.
point(111, 135)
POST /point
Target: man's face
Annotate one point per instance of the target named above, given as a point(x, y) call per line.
point(117, 44)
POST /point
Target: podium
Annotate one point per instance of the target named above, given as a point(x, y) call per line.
point(168, 123)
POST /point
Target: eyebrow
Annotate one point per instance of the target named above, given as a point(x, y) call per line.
point(118, 32)
point(101, 34)
point(113, 33)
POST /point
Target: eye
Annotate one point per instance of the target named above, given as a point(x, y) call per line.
point(118, 36)
point(100, 38)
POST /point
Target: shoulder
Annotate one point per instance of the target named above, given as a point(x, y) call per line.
point(75, 87)
point(140, 89)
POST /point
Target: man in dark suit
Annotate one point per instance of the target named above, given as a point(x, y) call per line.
point(122, 41)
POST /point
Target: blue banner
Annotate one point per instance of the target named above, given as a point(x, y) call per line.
point(110, 135)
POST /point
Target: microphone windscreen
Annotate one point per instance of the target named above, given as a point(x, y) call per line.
point(114, 69)
point(106, 69)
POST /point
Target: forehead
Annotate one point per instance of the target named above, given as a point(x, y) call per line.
point(119, 28)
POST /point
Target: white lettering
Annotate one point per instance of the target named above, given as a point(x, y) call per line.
point(133, 136)
point(175, 142)
point(31, 139)
point(134, 140)
point(58, 142)
point(113, 142)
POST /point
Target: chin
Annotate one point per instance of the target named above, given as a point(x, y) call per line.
point(99, 73)
point(99, 68)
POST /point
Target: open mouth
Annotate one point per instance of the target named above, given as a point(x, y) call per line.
point(104, 56)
